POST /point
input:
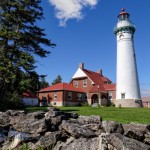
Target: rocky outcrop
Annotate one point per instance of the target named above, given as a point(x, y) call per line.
point(58, 130)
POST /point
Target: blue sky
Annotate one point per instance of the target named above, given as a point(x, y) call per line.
point(83, 32)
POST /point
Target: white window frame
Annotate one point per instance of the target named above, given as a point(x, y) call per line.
point(79, 96)
point(85, 83)
point(69, 95)
point(55, 95)
point(76, 83)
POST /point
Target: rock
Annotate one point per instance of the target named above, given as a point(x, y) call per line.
point(79, 144)
point(51, 113)
point(90, 119)
point(26, 124)
point(121, 142)
point(4, 120)
point(48, 141)
point(95, 105)
point(14, 112)
point(136, 131)
point(93, 127)
point(147, 138)
point(36, 115)
point(112, 127)
point(76, 130)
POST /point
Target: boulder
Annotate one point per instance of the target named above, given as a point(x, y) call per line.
point(14, 112)
point(112, 127)
point(4, 120)
point(90, 119)
point(48, 141)
point(76, 130)
point(79, 144)
point(136, 131)
point(28, 124)
point(121, 142)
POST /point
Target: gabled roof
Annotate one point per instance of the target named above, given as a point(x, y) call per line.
point(99, 81)
point(96, 77)
point(61, 86)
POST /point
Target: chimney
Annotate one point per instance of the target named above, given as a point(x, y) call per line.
point(81, 65)
point(100, 72)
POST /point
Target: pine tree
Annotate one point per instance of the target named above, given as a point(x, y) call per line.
point(21, 39)
point(57, 80)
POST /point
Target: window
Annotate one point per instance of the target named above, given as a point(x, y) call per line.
point(70, 96)
point(44, 96)
point(122, 95)
point(84, 82)
point(76, 83)
point(110, 95)
point(55, 95)
point(79, 96)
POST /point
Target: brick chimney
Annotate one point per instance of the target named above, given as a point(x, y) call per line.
point(100, 72)
point(81, 65)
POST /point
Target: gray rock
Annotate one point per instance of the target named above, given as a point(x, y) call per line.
point(76, 130)
point(90, 119)
point(136, 131)
point(121, 142)
point(28, 124)
point(14, 112)
point(112, 127)
point(4, 120)
point(79, 144)
point(48, 141)
point(95, 105)
point(93, 127)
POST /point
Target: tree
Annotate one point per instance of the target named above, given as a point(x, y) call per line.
point(57, 80)
point(43, 83)
point(21, 39)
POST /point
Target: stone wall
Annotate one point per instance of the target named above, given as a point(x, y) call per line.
point(127, 102)
point(59, 130)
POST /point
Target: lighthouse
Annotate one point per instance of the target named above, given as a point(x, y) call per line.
point(127, 82)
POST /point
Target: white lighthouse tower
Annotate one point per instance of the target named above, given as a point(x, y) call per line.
point(127, 88)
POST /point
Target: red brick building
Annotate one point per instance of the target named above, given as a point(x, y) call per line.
point(85, 86)
point(98, 88)
point(61, 94)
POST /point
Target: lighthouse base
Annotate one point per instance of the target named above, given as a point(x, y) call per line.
point(127, 102)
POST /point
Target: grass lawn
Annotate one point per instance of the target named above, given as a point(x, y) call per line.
point(122, 115)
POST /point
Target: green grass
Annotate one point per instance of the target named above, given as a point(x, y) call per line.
point(122, 115)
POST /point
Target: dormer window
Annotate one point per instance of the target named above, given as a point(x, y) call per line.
point(76, 83)
point(84, 82)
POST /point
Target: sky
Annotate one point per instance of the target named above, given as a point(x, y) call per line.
point(83, 32)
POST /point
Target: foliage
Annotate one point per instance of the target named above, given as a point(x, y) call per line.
point(21, 39)
point(57, 80)
point(12, 101)
point(43, 83)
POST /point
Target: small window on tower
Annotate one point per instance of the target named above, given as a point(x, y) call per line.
point(123, 96)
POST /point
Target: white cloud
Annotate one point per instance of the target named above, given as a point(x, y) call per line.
point(70, 9)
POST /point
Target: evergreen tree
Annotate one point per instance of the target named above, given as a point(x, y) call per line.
point(43, 83)
point(21, 39)
point(57, 80)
